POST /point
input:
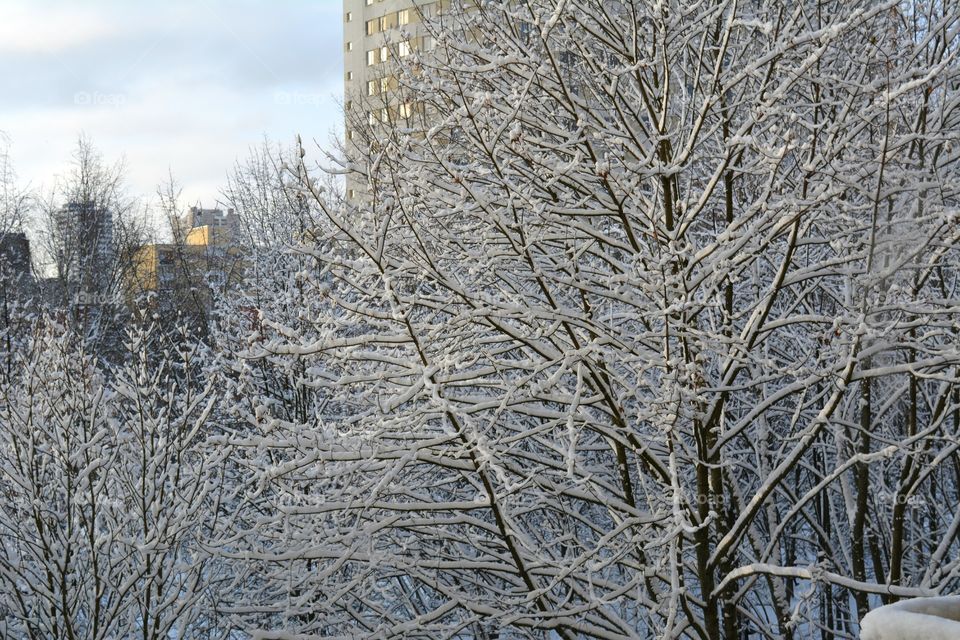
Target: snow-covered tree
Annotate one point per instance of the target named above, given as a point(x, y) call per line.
point(277, 223)
point(107, 493)
point(644, 325)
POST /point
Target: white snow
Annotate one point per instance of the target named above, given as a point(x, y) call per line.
point(917, 619)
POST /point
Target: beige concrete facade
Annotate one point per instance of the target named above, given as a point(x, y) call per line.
point(376, 33)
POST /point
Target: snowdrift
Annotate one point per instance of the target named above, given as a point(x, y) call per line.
point(917, 619)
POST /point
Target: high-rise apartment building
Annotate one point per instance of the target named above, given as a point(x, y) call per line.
point(376, 35)
point(85, 249)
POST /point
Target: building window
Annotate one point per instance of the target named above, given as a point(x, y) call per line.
point(376, 56)
point(372, 88)
point(388, 21)
point(349, 75)
point(350, 193)
point(349, 46)
point(349, 17)
point(406, 110)
point(369, 2)
point(403, 16)
point(403, 49)
point(372, 26)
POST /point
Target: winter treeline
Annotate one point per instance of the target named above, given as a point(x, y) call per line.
point(644, 324)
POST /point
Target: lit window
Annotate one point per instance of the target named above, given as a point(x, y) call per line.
point(388, 21)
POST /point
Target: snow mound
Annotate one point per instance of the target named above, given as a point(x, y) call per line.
point(917, 619)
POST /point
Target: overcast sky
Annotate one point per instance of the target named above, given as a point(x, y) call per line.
point(171, 85)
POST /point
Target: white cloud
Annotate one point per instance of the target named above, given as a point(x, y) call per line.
point(32, 27)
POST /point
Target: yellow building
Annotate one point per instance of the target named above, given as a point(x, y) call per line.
point(183, 277)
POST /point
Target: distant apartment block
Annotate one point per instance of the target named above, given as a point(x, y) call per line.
point(84, 246)
point(181, 277)
point(169, 277)
point(14, 256)
point(210, 227)
point(16, 275)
